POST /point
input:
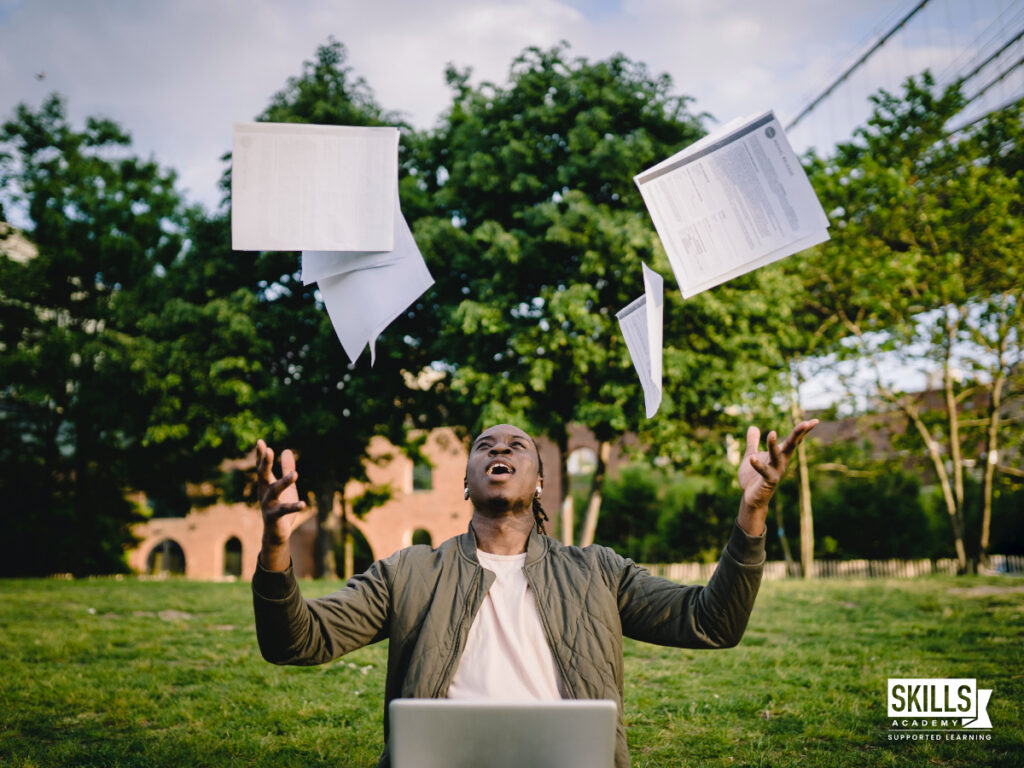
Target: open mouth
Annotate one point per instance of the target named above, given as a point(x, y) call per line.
point(500, 468)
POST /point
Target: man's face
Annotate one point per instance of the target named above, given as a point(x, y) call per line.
point(503, 471)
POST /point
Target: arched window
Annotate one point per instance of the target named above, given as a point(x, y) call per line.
point(581, 466)
point(167, 557)
point(421, 536)
point(233, 558)
point(422, 476)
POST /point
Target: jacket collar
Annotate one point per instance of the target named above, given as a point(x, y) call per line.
point(536, 545)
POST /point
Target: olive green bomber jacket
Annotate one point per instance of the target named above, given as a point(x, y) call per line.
point(424, 601)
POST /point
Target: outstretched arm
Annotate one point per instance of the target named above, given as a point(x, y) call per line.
point(760, 473)
point(659, 611)
point(292, 630)
point(279, 501)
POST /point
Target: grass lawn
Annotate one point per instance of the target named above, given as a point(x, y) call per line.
point(137, 673)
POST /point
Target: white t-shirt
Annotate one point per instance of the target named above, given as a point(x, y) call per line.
point(507, 655)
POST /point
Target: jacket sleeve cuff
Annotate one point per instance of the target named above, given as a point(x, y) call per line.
point(273, 585)
point(744, 548)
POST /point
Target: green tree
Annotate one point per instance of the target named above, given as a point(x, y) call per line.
point(104, 226)
point(200, 361)
point(924, 268)
point(536, 235)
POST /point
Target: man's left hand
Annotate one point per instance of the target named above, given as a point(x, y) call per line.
point(760, 473)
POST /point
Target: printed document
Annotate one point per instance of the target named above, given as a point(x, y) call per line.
point(732, 202)
point(641, 323)
point(298, 187)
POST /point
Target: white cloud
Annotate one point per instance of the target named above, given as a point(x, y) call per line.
point(177, 75)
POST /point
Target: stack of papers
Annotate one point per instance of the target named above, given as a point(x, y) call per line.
point(732, 202)
point(332, 193)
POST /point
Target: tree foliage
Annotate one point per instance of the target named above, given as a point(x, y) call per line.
point(537, 233)
point(925, 268)
point(105, 226)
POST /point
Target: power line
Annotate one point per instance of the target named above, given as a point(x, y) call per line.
point(975, 120)
point(853, 67)
point(991, 57)
point(998, 78)
point(984, 40)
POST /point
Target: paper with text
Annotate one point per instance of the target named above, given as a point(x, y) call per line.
point(734, 201)
point(298, 187)
point(641, 322)
point(363, 302)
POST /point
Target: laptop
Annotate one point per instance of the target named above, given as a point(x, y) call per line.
point(458, 733)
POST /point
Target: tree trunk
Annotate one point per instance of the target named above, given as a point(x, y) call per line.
point(786, 553)
point(346, 540)
point(324, 564)
point(953, 420)
point(803, 475)
point(350, 556)
point(955, 518)
point(991, 460)
point(806, 515)
point(566, 513)
point(568, 520)
point(594, 503)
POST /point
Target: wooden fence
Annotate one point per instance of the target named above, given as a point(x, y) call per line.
point(844, 569)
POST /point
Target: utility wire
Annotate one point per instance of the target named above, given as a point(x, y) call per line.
point(998, 78)
point(975, 120)
point(856, 65)
point(991, 57)
point(982, 42)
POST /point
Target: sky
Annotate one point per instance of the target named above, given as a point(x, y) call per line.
point(178, 74)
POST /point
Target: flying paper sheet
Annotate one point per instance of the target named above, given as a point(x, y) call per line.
point(301, 187)
point(316, 265)
point(363, 302)
point(732, 202)
point(641, 323)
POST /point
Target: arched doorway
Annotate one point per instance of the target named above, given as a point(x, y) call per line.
point(580, 467)
point(232, 558)
point(166, 558)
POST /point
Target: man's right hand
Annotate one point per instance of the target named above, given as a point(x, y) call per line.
point(279, 501)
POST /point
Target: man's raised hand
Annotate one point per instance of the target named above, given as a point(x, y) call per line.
point(279, 499)
point(760, 472)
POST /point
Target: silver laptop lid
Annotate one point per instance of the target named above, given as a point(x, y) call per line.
point(456, 733)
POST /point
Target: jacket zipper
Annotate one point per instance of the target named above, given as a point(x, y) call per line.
point(547, 634)
point(446, 677)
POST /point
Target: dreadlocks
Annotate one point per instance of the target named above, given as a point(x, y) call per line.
point(539, 515)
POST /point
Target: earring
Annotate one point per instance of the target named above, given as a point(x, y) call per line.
point(537, 495)
point(467, 493)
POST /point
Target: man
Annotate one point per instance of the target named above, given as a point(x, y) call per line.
point(504, 611)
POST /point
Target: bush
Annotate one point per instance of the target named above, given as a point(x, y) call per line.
point(652, 515)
